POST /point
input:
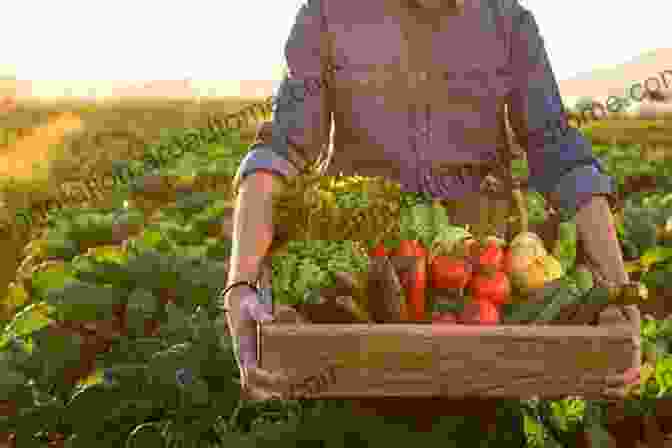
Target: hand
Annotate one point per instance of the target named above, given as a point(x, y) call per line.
point(245, 313)
point(617, 385)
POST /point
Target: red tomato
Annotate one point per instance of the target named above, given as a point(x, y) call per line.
point(379, 251)
point(449, 272)
point(490, 259)
point(494, 288)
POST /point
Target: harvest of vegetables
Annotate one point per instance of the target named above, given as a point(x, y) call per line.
point(156, 358)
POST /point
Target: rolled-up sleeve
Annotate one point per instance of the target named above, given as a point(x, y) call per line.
point(560, 159)
point(299, 124)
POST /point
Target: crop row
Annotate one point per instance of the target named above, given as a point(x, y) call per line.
point(112, 318)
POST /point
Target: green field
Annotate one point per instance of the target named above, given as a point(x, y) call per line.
point(142, 262)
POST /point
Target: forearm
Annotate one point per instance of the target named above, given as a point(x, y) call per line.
point(252, 224)
point(596, 229)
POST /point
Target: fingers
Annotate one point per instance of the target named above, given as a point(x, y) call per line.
point(261, 378)
point(255, 394)
point(630, 376)
point(247, 351)
point(263, 385)
point(621, 386)
point(614, 394)
point(632, 313)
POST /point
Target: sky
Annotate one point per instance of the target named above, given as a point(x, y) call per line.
point(94, 46)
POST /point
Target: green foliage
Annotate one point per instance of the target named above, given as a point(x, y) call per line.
point(181, 383)
point(308, 266)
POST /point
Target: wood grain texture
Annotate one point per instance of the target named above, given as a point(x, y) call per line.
point(414, 360)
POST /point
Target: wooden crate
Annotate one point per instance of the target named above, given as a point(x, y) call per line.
point(420, 360)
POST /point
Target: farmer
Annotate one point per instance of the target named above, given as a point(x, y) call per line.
point(412, 86)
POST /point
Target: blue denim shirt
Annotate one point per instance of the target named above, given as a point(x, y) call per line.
point(560, 159)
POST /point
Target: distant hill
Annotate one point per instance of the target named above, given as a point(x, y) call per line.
point(602, 83)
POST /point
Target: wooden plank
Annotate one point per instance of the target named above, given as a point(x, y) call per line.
point(414, 360)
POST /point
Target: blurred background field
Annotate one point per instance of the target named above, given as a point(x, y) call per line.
point(146, 117)
point(46, 145)
point(59, 141)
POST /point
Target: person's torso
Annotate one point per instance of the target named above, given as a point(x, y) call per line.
point(411, 95)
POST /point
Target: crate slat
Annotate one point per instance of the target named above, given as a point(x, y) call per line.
point(415, 360)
